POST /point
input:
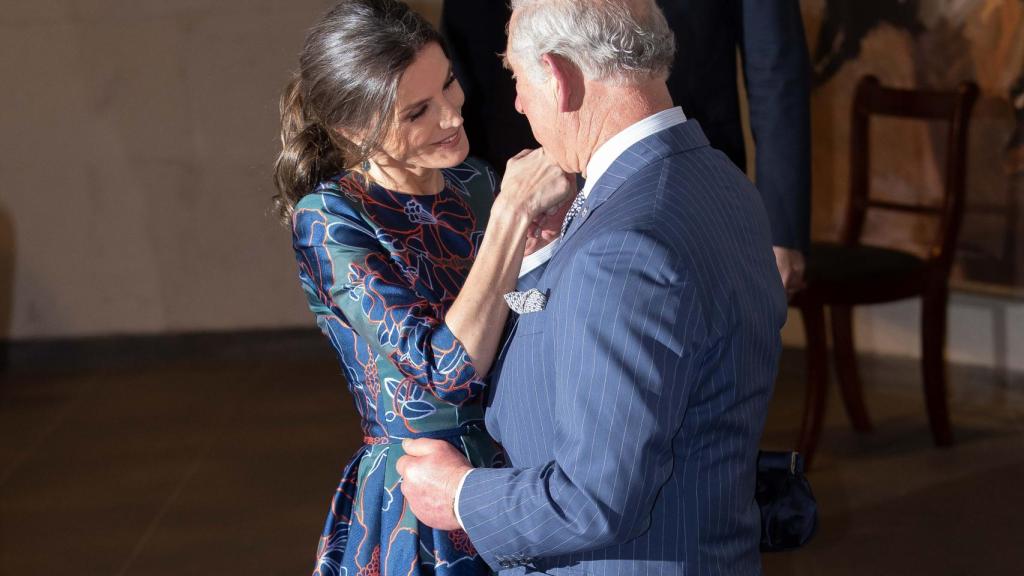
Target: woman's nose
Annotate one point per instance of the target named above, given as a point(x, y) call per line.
point(451, 116)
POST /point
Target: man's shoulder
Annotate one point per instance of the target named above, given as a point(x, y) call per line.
point(694, 201)
point(683, 184)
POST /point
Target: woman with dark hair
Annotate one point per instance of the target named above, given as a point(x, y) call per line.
point(388, 218)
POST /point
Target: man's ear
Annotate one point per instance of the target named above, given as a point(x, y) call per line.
point(568, 82)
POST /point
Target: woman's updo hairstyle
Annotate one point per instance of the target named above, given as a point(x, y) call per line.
point(347, 80)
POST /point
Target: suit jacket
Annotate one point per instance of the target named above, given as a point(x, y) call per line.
point(631, 407)
point(770, 37)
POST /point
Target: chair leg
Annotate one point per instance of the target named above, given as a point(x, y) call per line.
point(933, 363)
point(817, 379)
point(846, 368)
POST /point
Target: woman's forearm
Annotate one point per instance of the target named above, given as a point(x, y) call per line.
point(478, 314)
point(533, 184)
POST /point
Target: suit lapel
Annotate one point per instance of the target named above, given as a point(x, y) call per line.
point(678, 138)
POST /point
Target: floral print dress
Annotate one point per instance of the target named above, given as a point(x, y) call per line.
point(380, 270)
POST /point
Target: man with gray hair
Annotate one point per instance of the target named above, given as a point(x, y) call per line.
point(633, 391)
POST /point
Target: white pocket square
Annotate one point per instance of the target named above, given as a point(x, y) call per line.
point(532, 300)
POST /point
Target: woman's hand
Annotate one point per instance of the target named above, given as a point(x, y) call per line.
point(534, 184)
point(548, 226)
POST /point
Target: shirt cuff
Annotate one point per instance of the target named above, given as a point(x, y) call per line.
point(458, 492)
point(538, 258)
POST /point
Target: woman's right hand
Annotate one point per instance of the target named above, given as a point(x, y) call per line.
point(535, 184)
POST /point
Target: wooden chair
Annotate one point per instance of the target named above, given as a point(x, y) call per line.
point(844, 274)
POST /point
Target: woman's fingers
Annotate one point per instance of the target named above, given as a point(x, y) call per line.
point(533, 180)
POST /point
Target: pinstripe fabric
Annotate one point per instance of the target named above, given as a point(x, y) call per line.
point(632, 406)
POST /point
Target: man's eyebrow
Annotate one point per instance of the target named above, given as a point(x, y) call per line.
point(425, 100)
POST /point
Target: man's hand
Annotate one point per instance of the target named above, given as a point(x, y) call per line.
point(431, 471)
point(791, 266)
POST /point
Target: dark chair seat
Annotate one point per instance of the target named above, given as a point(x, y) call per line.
point(861, 274)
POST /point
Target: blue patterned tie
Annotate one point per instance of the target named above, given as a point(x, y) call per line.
point(574, 210)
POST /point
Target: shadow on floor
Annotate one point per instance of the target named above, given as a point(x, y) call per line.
point(220, 454)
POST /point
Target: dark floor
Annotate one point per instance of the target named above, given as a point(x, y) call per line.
point(219, 456)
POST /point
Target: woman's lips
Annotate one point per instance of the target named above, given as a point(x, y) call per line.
point(451, 140)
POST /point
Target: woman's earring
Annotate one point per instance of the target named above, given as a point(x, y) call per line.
point(366, 166)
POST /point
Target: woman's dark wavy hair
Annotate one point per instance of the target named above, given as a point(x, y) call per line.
point(347, 79)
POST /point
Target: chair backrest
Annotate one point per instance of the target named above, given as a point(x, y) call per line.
point(873, 99)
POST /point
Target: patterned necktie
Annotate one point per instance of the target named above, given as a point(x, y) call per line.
point(574, 210)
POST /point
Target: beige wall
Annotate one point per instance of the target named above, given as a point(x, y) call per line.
point(138, 138)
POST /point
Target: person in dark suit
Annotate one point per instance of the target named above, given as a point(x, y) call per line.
point(633, 390)
point(770, 37)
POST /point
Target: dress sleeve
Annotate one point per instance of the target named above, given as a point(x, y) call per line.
point(343, 266)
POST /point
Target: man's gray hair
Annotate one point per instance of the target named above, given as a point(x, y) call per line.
point(619, 41)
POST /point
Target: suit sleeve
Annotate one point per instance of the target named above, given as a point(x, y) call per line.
point(623, 379)
point(776, 67)
point(345, 267)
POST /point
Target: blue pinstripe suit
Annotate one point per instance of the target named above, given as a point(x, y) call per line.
point(631, 407)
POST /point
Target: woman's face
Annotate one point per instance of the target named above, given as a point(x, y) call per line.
point(428, 132)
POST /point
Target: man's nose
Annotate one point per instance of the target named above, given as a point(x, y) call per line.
point(519, 105)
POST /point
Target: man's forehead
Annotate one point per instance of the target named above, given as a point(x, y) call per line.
point(507, 61)
point(509, 30)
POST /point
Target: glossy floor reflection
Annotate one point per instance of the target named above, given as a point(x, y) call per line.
point(219, 455)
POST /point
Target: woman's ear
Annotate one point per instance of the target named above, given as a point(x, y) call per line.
point(350, 136)
point(568, 82)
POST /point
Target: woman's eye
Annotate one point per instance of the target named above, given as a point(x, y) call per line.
point(419, 112)
point(451, 80)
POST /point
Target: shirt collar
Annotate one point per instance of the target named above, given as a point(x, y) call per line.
point(615, 146)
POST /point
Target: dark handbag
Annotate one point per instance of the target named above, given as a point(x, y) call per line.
point(789, 513)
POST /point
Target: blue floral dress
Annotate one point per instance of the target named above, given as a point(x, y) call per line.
point(380, 270)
